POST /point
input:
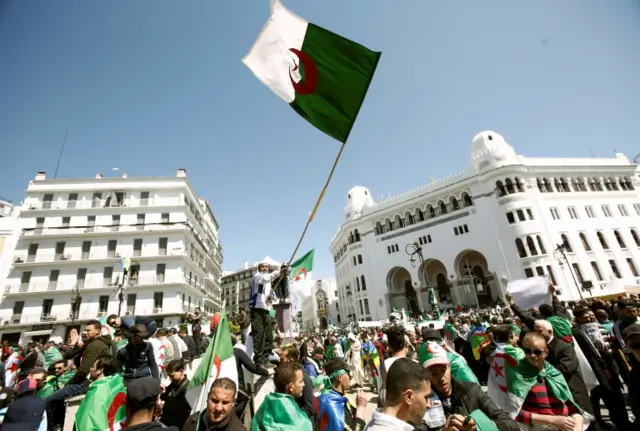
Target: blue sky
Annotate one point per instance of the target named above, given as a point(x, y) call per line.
point(152, 86)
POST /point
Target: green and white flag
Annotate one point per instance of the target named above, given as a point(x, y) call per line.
point(103, 408)
point(321, 75)
point(300, 282)
point(218, 361)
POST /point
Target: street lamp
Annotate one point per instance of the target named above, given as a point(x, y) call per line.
point(75, 297)
point(560, 254)
point(414, 250)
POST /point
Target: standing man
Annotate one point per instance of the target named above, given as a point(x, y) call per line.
point(259, 302)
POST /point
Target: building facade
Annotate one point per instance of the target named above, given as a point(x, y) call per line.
point(236, 285)
point(505, 217)
point(9, 233)
point(77, 235)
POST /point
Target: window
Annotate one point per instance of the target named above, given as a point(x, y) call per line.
point(95, 201)
point(566, 243)
point(529, 214)
point(354, 261)
point(66, 221)
point(81, 277)
point(585, 241)
point(531, 246)
point(455, 230)
point(144, 199)
point(603, 241)
point(164, 218)
point(520, 215)
point(111, 248)
point(623, 210)
point(614, 268)
point(357, 284)
point(632, 267)
point(590, 212)
point(140, 222)
point(510, 218)
point(363, 283)
point(103, 304)
point(162, 246)
point(366, 306)
point(572, 212)
point(636, 238)
point(33, 250)
point(86, 249)
point(528, 272)
point(131, 303)
point(539, 271)
point(637, 208)
point(25, 280)
point(520, 247)
point(59, 250)
point(543, 250)
point(46, 201)
point(107, 275)
point(596, 270)
point(39, 225)
point(91, 223)
point(577, 272)
point(115, 222)
point(619, 238)
point(53, 279)
point(554, 213)
point(137, 247)
point(160, 270)
point(606, 211)
point(359, 259)
point(158, 298)
point(552, 277)
point(72, 200)
point(361, 308)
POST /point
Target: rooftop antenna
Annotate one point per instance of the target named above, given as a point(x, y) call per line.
point(592, 155)
point(64, 141)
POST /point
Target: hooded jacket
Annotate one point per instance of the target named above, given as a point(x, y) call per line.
point(138, 360)
point(94, 349)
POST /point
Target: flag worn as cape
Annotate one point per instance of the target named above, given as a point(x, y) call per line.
point(218, 361)
point(523, 377)
point(53, 384)
point(561, 328)
point(324, 77)
point(478, 340)
point(503, 357)
point(330, 411)
point(103, 408)
point(459, 368)
point(280, 412)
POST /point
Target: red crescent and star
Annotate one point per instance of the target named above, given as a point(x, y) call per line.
point(300, 274)
point(309, 84)
point(118, 401)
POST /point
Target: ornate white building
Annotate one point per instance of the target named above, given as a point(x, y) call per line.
point(319, 309)
point(75, 236)
point(500, 219)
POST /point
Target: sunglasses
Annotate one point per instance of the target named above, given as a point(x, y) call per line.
point(59, 368)
point(535, 352)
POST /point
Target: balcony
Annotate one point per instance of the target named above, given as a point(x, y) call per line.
point(103, 203)
point(101, 230)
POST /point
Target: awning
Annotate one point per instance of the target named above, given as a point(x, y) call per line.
point(36, 333)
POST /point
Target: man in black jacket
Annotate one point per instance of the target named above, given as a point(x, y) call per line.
point(459, 399)
point(137, 357)
point(176, 409)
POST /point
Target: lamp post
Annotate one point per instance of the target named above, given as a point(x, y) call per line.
point(415, 249)
point(75, 297)
point(560, 254)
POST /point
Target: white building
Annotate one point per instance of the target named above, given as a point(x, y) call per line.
point(319, 309)
point(500, 219)
point(309, 313)
point(9, 234)
point(66, 267)
point(236, 285)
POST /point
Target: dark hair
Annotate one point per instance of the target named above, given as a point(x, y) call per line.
point(581, 312)
point(395, 338)
point(285, 374)
point(402, 375)
point(108, 365)
point(96, 324)
point(111, 316)
point(304, 351)
point(546, 310)
point(60, 361)
point(502, 333)
point(161, 332)
point(291, 352)
point(175, 365)
point(225, 383)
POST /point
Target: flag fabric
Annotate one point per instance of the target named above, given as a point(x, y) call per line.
point(160, 353)
point(503, 357)
point(53, 384)
point(103, 408)
point(522, 377)
point(280, 412)
point(561, 328)
point(324, 77)
point(300, 275)
point(329, 409)
point(106, 329)
point(483, 422)
point(218, 361)
point(478, 340)
point(460, 370)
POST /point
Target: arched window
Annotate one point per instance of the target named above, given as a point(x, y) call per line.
point(603, 241)
point(547, 184)
point(543, 250)
point(431, 211)
point(565, 185)
point(357, 284)
point(350, 237)
point(443, 208)
point(509, 185)
point(541, 186)
point(389, 225)
point(500, 189)
point(398, 222)
point(419, 214)
point(467, 200)
point(566, 243)
point(363, 283)
point(531, 245)
point(614, 184)
point(519, 186)
point(619, 239)
point(628, 182)
point(585, 241)
point(408, 219)
point(636, 238)
point(356, 236)
point(522, 252)
point(378, 228)
point(455, 206)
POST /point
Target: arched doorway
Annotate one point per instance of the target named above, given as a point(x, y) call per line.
point(324, 323)
point(444, 290)
point(473, 270)
point(433, 273)
point(401, 292)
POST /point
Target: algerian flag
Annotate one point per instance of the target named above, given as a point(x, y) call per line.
point(459, 367)
point(300, 274)
point(103, 408)
point(503, 357)
point(321, 75)
point(106, 329)
point(218, 361)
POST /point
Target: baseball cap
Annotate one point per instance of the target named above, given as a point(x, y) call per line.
point(631, 330)
point(26, 386)
point(143, 390)
point(429, 334)
point(333, 366)
point(431, 353)
point(24, 414)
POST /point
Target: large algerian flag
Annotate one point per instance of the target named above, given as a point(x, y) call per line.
point(501, 359)
point(300, 275)
point(103, 408)
point(218, 361)
point(459, 367)
point(321, 75)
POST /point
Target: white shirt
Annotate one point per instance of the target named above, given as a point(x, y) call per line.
point(382, 421)
point(264, 279)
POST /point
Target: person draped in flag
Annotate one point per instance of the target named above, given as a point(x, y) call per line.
point(506, 354)
point(259, 302)
point(11, 365)
point(538, 393)
point(354, 358)
point(371, 361)
point(333, 410)
point(434, 346)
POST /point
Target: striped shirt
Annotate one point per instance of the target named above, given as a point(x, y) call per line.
point(540, 401)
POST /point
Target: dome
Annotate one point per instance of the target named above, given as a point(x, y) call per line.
point(358, 198)
point(490, 150)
